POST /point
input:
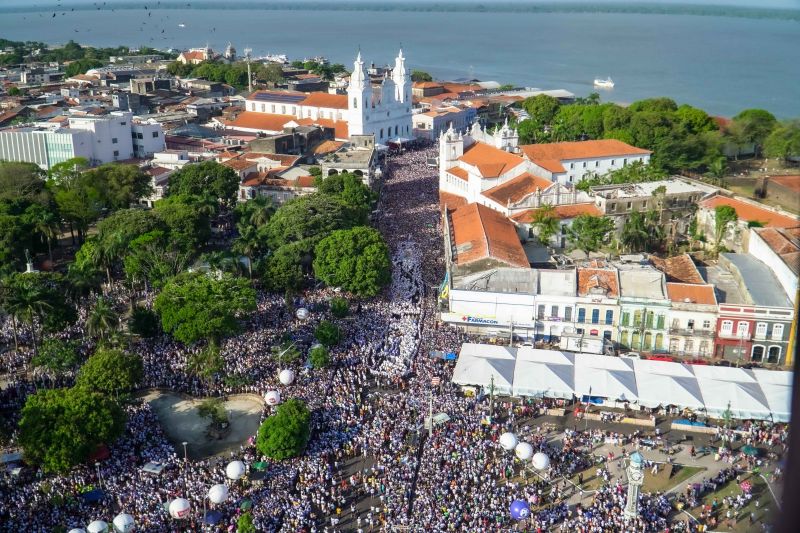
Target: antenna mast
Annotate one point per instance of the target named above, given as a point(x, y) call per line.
point(247, 52)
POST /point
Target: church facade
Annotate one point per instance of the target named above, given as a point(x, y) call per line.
point(382, 110)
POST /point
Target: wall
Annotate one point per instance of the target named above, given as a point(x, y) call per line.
point(503, 307)
point(759, 249)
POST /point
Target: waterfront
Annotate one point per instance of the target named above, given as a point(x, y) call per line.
point(721, 64)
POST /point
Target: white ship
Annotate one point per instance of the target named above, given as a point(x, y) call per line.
point(181, 25)
point(607, 83)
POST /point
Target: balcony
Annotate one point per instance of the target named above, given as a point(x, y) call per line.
point(686, 332)
point(733, 335)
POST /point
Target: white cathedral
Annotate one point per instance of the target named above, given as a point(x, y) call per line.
point(383, 110)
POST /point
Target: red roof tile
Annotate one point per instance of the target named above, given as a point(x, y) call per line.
point(680, 269)
point(331, 101)
point(790, 182)
point(483, 233)
point(752, 213)
point(592, 278)
point(253, 120)
point(550, 155)
point(516, 189)
point(562, 212)
point(691, 293)
point(490, 161)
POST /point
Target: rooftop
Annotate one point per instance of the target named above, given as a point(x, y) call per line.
point(253, 120)
point(562, 212)
point(641, 281)
point(550, 155)
point(785, 243)
point(646, 189)
point(598, 281)
point(680, 268)
point(516, 189)
point(557, 282)
point(506, 280)
point(759, 280)
point(749, 212)
point(490, 161)
point(691, 293)
point(483, 233)
point(726, 288)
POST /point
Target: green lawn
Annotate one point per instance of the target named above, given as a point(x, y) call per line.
point(590, 480)
point(763, 513)
point(662, 483)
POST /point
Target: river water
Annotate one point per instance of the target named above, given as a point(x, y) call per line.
point(720, 64)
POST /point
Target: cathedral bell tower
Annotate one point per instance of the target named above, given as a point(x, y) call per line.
point(403, 87)
point(359, 98)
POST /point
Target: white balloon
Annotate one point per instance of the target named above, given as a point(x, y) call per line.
point(123, 523)
point(508, 441)
point(286, 377)
point(301, 313)
point(179, 508)
point(523, 451)
point(77, 530)
point(218, 493)
point(541, 461)
point(98, 526)
point(234, 470)
point(272, 397)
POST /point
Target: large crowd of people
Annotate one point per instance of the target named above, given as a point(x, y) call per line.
point(373, 461)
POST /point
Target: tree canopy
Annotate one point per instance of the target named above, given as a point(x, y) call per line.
point(327, 333)
point(195, 306)
point(285, 434)
point(589, 233)
point(309, 219)
point(420, 75)
point(355, 259)
point(784, 140)
point(59, 428)
point(58, 355)
point(208, 177)
point(319, 357)
point(110, 372)
point(724, 215)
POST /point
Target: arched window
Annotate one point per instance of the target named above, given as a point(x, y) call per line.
point(332, 172)
point(648, 341)
point(635, 338)
point(659, 342)
point(623, 339)
point(774, 354)
point(637, 317)
point(381, 133)
point(757, 354)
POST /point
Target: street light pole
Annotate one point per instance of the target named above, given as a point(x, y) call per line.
point(185, 460)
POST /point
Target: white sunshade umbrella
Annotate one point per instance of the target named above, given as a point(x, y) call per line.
point(234, 470)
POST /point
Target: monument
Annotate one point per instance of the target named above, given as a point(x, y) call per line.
point(635, 479)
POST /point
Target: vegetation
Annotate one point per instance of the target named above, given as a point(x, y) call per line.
point(214, 410)
point(285, 434)
point(340, 307)
point(244, 524)
point(195, 306)
point(58, 355)
point(327, 333)
point(420, 75)
point(724, 216)
point(783, 141)
point(636, 172)
point(589, 233)
point(545, 224)
point(642, 232)
point(208, 177)
point(110, 372)
point(59, 428)
point(319, 357)
point(71, 51)
point(143, 322)
point(356, 260)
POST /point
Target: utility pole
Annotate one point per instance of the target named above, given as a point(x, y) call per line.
point(491, 398)
point(247, 52)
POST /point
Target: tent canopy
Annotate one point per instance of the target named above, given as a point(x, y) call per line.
point(662, 390)
point(539, 379)
point(746, 400)
point(471, 370)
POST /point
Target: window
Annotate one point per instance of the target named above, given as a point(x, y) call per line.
point(774, 354)
point(116, 153)
point(637, 318)
point(706, 324)
point(273, 108)
point(596, 164)
point(283, 110)
point(123, 123)
point(253, 106)
point(263, 108)
point(690, 324)
point(572, 165)
point(609, 316)
point(650, 316)
point(114, 140)
point(777, 332)
point(742, 328)
point(660, 322)
point(612, 162)
point(540, 312)
point(607, 335)
point(155, 135)
point(624, 162)
point(554, 311)
point(623, 340)
point(595, 316)
point(584, 164)
point(757, 354)
point(581, 315)
point(626, 318)
point(761, 329)
point(726, 327)
point(567, 314)
point(630, 205)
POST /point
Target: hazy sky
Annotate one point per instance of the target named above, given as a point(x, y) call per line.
point(741, 3)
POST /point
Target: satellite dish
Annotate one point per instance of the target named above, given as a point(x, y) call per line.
point(234, 470)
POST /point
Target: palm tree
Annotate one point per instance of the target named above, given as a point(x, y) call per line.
point(5, 295)
point(261, 210)
point(27, 303)
point(102, 319)
point(635, 233)
point(546, 223)
point(718, 168)
point(82, 278)
point(248, 245)
point(48, 226)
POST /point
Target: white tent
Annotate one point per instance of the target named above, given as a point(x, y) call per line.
point(745, 400)
point(532, 378)
point(526, 353)
point(660, 390)
point(473, 370)
point(607, 377)
point(492, 351)
point(724, 373)
point(777, 388)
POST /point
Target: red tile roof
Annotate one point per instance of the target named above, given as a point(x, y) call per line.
point(590, 278)
point(691, 293)
point(680, 269)
point(752, 213)
point(451, 201)
point(253, 120)
point(459, 173)
point(239, 164)
point(562, 212)
point(326, 147)
point(517, 189)
point(331, 101)
point(550, 155)
point(785, 243)
point(339, 127)
point(285, 160)
point(790, 182)
point(483, 233)
point(490, 161)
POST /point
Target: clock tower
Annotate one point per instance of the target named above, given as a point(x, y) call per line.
point(635, 472)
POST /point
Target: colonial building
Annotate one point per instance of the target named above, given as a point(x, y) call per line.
point(383, 110)
point(692, 319)
point(597, 306)
point(196, 56)
point(644, 305)
point(571, 162)
point(555, 303)
point(431, 123)
point(565, 215)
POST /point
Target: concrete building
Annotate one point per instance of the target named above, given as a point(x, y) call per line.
point(432, 123)
point(555, 303)
point(692, 319)
point(44, 146)
point(571, 162)
point(644, 305)
point(597, 302)
point(755, 314)
point(358, 157)
point(565, 215)
point(779, 249)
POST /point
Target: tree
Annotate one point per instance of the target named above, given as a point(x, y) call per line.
point(151, 258)
point(635, 232)
point(784, 141)
point(214, 410)
point(23, 183)
point(195, 306)
point(15, 238)
point(245, 523)
point(110, 372)
point(81, 66)
point(59, 428)
point(327, 333)
point(206, 177)
point(339, 307)
point(206, 362)
point(285, 434)
point(752, 126)
point(14, 91)
point(319, 357)
point(356, 260)
point(143, 322)
point(695, 120)
point(46, 223)
point(542, 108)
point(724, 215)
point(83, 276)
point(102, 319)
point(419, 75)
point(283, 269)
point(588, 233)
point(545, 224)
point(255, 212)
point(248, 244)
point(124, 184)
point(58, 355)
point(271, 73)
point(718, 168)
point(187, 219)
point(308, 218)
point(659, 105)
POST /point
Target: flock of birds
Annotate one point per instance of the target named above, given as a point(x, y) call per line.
point(162, 26)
